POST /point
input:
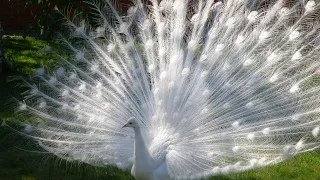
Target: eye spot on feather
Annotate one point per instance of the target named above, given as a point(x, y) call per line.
point(79, 117)
point(22, 107)
point(163, 75)
point(149, 44)
point(204, 74)
point(284, 11)
point(226, 105)
point(65, 93)
point(226, 85)
point(240, 39)
point(34, 91)
point(253, 163)
point(310, 6)
point(159, 103)
point(40, 71)
point(185, 71)
point(248, 62)
point(250, 104)
point(295, 117)
point(236, 124)
point(197, 130)
point(296, 56)
point(79, 55)
point(72, 76)
point(192, 45)
point(253, 15)
point(266, 131)
point(295, 34)
point(65, 106)
point(226, 67)
point(274, 78)
point(171, 84)
point(230, 22)
point(226, 170)
point(219, 48)
point(162, 52)
point(299, 146)
point(195, 18)
point(203, 58)
point(82, 87)
point(94, 68)
point(28, 128)
point(156, 91)
point(288, 152)
point(91, 133)
point(264, 35)
point(210, 154)
point(106, 105)
point(250, 136)
point(294, 89)
point(111, 47)
point(235, 149)
point(123, 28)
point(206, 92)
point(175, 99)
point(272, 57)
point(316, 131)
point(151, 68)
point(216, 170)
point(205, 111)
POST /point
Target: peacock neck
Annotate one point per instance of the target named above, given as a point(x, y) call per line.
point(142, 159)
point(141, 151)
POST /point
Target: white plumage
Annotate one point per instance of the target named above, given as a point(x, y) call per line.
point(215, 88)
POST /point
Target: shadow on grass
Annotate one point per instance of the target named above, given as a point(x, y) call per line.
point(18, 162)
point(26, 55)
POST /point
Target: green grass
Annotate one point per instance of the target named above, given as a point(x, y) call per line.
point(26, 55)
point(22, 159)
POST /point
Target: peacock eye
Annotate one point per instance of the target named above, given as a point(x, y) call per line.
point(130, 123)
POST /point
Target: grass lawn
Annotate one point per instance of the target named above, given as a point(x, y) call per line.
point(21, 159)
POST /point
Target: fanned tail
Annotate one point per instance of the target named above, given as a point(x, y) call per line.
point(216, 87)
point(77, 111)
point(239, 87)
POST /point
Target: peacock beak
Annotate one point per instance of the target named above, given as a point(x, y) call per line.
point(124, 126)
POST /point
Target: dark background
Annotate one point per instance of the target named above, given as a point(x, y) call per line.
point(14, 15)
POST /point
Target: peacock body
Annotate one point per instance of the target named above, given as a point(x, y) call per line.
point(211, 88)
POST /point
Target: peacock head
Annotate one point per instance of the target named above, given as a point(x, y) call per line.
point(131, 123)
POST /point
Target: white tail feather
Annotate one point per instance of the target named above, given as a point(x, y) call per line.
point(216, 89)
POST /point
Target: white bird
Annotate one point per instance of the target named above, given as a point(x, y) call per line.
point(144, 166)
point(214, 88)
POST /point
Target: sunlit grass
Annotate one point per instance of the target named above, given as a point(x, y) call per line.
point(26, 55)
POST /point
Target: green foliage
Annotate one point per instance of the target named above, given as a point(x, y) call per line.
point(26, 55)
point(48, 18)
